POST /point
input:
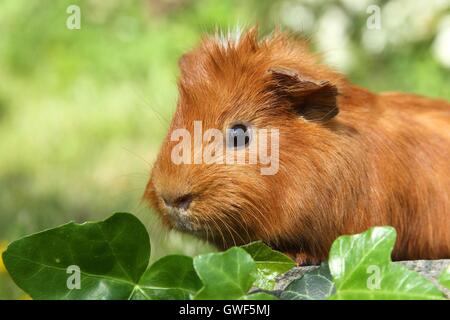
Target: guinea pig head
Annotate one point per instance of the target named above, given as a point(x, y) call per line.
point(266, 100)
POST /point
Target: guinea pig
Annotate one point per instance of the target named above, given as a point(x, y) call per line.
point(346, 158)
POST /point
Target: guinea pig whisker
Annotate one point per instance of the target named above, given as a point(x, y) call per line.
point(138, 156)
point(206, 230)
point(244, 226)
point(227, 227)
point(230, 227)
point(265, 223)
point(206, 221)
point(211, 233)
point(146, 103)
point(257, 218)
point(224, 242)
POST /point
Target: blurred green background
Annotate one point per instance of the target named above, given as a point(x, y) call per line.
point(83, 112)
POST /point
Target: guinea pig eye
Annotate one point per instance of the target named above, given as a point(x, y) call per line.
point(238, 136)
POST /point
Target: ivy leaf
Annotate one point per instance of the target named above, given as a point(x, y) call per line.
point(170, 278)
point(269, 264)
point(362, 269)
point(315, 285)
point(444, 278)
point(110, 255)
point(225, 275)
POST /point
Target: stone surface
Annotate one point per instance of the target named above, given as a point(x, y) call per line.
point(430, 269)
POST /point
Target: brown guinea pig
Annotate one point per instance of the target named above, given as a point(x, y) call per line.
point(348, 159)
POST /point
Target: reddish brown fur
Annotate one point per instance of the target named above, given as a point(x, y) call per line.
point(383, 160)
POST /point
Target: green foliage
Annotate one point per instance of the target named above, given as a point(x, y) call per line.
point(112, 255)
point(361, 267)
point(229, 274)
point(269, 264)
point(171, 277)
point(314, 285)
point(112, 258)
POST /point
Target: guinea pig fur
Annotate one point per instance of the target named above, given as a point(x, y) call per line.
point(349, 158)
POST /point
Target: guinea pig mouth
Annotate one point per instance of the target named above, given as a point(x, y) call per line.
point(181, 220)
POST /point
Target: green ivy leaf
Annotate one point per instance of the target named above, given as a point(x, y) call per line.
point(111, 256)
point(269, 264)
point(362, 269)
point(315, 285)
point(170, 278)
point(444, 278)
point(225, 275)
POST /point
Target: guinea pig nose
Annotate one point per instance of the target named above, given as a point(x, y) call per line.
point(182, 202)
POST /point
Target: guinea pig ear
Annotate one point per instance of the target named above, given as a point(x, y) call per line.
point(313, 100)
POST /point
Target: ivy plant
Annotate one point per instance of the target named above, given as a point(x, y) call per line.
point(110, 260)
point(361, 267)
